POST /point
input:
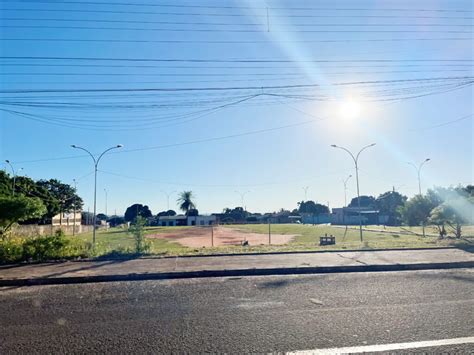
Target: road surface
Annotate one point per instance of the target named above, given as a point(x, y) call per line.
point(251, 314)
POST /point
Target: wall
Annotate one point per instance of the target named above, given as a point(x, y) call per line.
point(33, 229)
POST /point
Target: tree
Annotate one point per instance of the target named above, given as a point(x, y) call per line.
point(453, 213)
point(365, 201)
point(136, 210)
point(102, 217)
point(166, 213)
point(234, 214)
point(416, 210)
point(57, 197)
point(186, 202)
point(14, 209)
point(312, 207)
point(115, 221)
point(137, 230)
point(389, 203)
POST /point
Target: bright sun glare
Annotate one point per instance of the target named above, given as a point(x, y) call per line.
point(349, 109)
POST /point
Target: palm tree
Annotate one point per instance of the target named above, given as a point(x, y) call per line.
point(185, 201)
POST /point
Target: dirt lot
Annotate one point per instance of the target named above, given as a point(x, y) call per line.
point(195, 237)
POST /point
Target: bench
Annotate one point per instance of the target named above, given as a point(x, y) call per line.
point(327, 240)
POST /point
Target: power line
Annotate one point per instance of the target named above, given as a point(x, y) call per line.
point(229, 88)
point(233, 24)
point(467, 117)
point(213, 30)
point(233, 7)
point(190, 41)
point(237, 15)
point(281, 75)
point(196, 60)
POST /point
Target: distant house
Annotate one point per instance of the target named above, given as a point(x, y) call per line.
point(181, 220)
point(350, 216)
point(66, 219)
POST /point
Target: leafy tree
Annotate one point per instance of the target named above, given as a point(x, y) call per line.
point(166, 213)
point(235, 214)
point(416, 210)
point(453, 213)
point(186, 202)
point(312, 208)
point(389, 203)
point(136, 210)
point(365, 201)
point(14, 209)
point(115, 221)
point(137, 230)
point(102, 217)
point(57, 196)
point(6, 184)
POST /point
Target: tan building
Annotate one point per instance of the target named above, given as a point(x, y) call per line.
point(67, 219)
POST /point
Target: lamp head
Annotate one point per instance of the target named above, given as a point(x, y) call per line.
point(119, 145)
point(73, 146)
point(7, 161)
point(333, 145)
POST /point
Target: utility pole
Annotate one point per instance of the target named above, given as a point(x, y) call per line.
point(105, 190)
point(356, 161)
point(418, 171)
point(168, 194)
point(242, 196)
point(305, 193)
point(14, 175)
point(96, 163)
point(74, 211)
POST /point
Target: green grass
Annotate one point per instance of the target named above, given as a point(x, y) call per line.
point(308, 237)
point(118, 239)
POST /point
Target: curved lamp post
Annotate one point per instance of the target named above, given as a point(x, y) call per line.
point(242, 196)
point(96, 163)
point(14, 175)
point(418, 171)
point(356, 162)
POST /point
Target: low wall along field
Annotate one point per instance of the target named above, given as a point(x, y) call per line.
point(31, 230)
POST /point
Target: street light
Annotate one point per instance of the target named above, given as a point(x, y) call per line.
point(14, 175)
point(96, 163)
point(345, 189)
point(105, 191)
point(242, 196)
point(168, 194)
point(74, 211)
point(418, 171)
point(356, 160)
point(305, 192)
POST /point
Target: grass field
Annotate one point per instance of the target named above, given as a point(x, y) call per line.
point(117, 240)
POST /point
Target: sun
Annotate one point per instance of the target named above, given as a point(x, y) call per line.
point(349, 109)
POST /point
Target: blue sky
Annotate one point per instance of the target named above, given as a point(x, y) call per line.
point(290, 152)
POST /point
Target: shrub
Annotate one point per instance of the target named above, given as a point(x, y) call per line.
point(42, 248)
point(137, 230)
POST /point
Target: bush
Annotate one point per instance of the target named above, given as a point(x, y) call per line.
point(41, 248)
point(137, 230)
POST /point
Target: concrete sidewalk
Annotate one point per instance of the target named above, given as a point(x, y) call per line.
point(238, 265)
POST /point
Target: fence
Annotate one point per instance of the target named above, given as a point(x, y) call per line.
point(30, 230)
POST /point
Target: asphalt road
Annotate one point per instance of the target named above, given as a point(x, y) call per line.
point(252, 314)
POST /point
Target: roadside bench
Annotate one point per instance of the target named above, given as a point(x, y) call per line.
point(327, 240)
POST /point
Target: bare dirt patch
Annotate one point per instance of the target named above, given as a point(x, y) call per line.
point(196, 237)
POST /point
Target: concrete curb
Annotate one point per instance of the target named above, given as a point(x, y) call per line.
point(233, 273)
point(98, 259)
